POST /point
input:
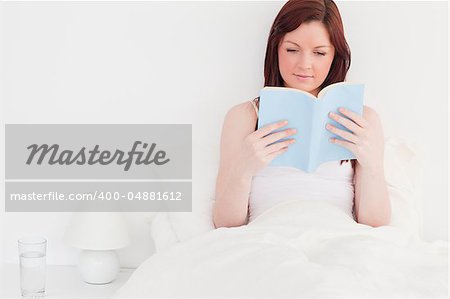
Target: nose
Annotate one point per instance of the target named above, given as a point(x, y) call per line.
point(305, 62)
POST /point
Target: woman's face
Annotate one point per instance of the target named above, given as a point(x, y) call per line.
point(306, 51)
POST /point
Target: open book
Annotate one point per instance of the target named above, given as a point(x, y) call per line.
point(309, 115)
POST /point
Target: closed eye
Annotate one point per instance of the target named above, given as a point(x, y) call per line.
point(319, 53)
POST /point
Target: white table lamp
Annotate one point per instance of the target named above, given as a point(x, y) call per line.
point(99, 235)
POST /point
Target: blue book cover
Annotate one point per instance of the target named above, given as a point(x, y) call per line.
point(309, 115)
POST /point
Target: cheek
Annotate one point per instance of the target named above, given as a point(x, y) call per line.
point(285, 62)
point(325, 66)
point(282, 62)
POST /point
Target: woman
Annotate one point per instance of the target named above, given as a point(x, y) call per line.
point(306, 50)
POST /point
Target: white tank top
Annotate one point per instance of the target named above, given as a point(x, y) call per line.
point(331, 182)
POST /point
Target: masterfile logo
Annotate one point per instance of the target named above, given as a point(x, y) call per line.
point(68, 157)
point(98, 168)
point(82, 151)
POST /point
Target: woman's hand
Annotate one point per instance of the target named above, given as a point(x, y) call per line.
point(256, 152)
point(366, 141)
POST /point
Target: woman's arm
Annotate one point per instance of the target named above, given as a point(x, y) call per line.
point(244, 152)
point(232, 184)
point(372, 203)
point(231, 205)
point(366, 142)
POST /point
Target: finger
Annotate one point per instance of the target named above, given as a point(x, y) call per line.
point(355, 117)
point(348, 145)
point(278, 145)
point(271, 156)
point(268, 128)
point(277, 136)
point(356, 129)
point(344, 134)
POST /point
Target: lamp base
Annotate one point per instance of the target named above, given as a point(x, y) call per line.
point(98, 266)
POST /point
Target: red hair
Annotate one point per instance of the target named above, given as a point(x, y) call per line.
point(291, 16)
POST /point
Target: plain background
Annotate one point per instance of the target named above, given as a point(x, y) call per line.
point(189, 62)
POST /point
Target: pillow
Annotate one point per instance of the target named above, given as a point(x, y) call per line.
point(168, 228)
point(402, 173)
point(162, 232)
point(403, 168)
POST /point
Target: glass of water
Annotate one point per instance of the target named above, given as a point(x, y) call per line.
point(32, 252)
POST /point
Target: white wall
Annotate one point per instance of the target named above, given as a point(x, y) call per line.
point(167, 62)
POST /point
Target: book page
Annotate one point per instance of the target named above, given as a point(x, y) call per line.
point(285, 104)
point(347, 96)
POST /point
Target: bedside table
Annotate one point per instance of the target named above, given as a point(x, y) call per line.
point(61, 282)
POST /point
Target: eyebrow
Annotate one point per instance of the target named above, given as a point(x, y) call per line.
point(300, 47)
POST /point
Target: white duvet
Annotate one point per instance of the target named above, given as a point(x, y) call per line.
point(298, 249)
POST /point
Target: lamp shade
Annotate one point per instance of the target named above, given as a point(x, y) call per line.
point(97, 231)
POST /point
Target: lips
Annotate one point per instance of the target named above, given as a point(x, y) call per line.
point(303, 76)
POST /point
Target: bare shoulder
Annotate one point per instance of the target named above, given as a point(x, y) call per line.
point(243, 109)
point(242, 115)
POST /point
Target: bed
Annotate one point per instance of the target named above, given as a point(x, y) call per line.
point(300, 249)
